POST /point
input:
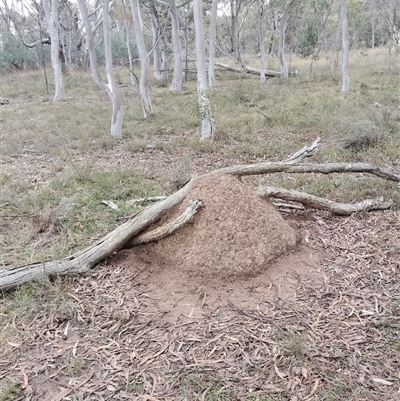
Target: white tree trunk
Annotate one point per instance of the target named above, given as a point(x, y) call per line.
point(118, 111)
point(204, 101)
point(261, 40)
point(211, 51)
point(282, 32)
point(144, 62)
point(156, 46)
point(53, 24)
point(176, 42)
point(128, 44)
point(345, 43)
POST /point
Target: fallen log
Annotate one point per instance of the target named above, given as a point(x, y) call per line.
point(315, 202)
point(249, 70)
point(84, 260)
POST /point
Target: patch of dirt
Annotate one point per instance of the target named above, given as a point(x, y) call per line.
point(227, 252)
point(181, 294)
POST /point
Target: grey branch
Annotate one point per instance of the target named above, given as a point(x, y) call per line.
point(343, 209)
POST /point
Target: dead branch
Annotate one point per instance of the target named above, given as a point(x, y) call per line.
point(328, 168)
point(146, 199)
point(167, 229)
point(248, 70)
point(307, 151)
point(83, 260)
point(343, 209)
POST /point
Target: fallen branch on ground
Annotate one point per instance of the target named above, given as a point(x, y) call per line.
point(84, 260)
point(167, 229)
point(343, 209)
point(249, 70)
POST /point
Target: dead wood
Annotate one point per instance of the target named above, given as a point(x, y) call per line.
point(82, 261)
point(167, 229)
point(326, 168)
point(343, 209)
point(249, 70)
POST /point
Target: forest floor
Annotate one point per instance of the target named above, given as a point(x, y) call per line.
point(321, 322)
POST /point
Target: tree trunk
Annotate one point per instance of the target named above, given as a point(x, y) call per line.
point(144, 62)
point(345, 43)
point(261, 40)
point(54, 26)
point(204, 101)
point(176, 42)
point(155, 30)
point(128, 44)
point(118, 111)
point(211, 50)
point(282, 32)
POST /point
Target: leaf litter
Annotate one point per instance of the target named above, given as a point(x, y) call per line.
point(335, 338)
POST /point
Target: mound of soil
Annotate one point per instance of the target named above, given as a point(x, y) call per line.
point(235, 233)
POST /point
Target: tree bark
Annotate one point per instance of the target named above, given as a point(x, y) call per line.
point(282, 35)
point(204, 101)
point(315, 202)
point(176, 43)
point(345, 44)
point(213, 39)
point(261, 40)
point(118, 108)
point(54, 26)
point(167, 229)
point(144, 62)
point(155, 30)
point(110, 89)
point(128, 44)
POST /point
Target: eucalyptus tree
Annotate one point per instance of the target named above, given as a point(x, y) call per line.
point(160, 59)
point(261, 39)
point(176, 43)
point(128, 43)
point(345, 44)
point(144, 61)
point(51, 12)
point(213, 38)
point(282, 31)
point(109, 87)
point(204, 101)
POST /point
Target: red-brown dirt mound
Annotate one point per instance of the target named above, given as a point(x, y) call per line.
point(235, 233)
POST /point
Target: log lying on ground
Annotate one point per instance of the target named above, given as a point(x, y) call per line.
point(82, 261)
point(161, 232)
point(249, 70)
point(342, 209)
